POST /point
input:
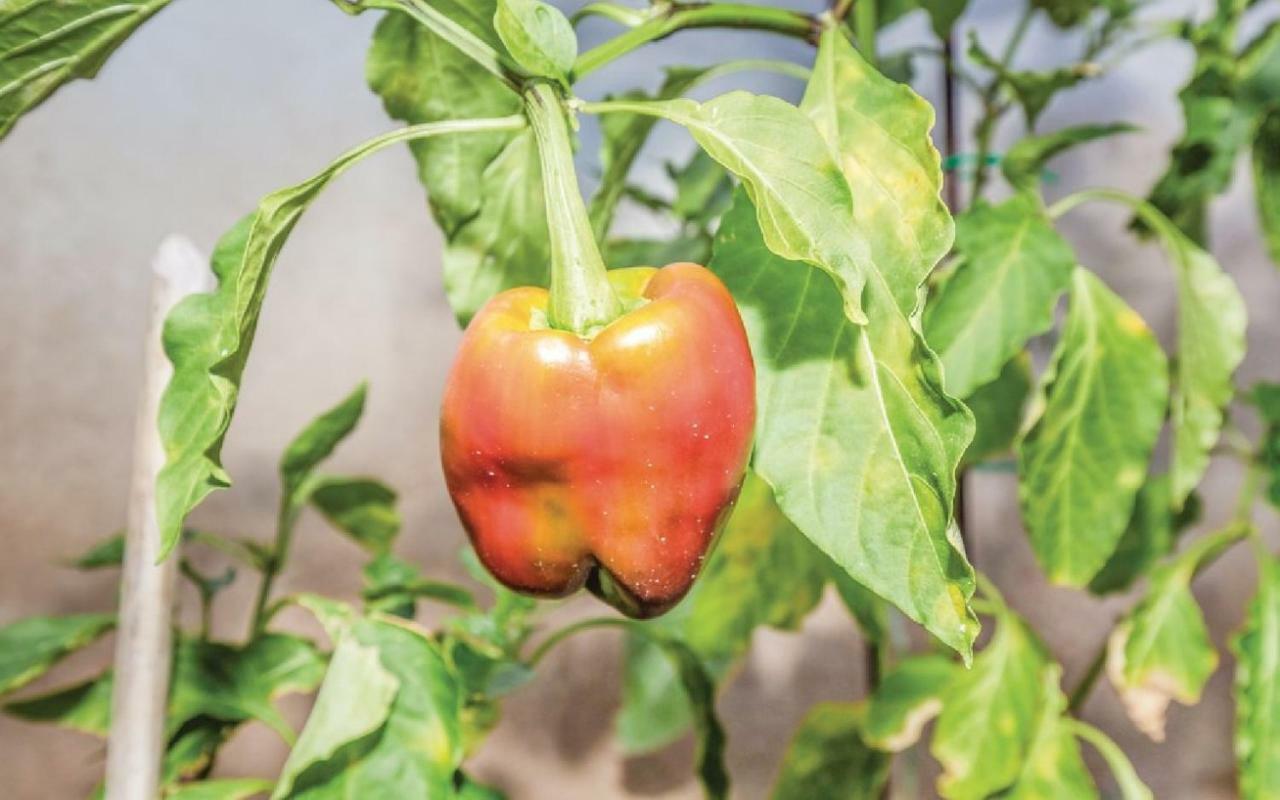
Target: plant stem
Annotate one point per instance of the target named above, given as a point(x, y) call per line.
point(676, 16)
point(864, 23)
point(285, 519)
point(581, 298)
point(992, 109)
point(559, 636)
point(1090, 678)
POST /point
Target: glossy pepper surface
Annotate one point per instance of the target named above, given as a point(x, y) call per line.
point(610, 461)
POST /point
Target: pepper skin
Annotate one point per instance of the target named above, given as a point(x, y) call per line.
point(611, 461)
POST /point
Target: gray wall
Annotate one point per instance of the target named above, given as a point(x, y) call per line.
point(216, 103)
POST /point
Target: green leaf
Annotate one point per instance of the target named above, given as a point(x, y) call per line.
point(485, 190)
point(1150, 536)
point(1033, 90)
point(990, 714)
point(29, 647)
point(1161, 650)
point(317, 441)
point(385, 723)
point(392, 585)
point(943, 14)
point(225, 789)
point(362, 508)
point(234, 684)
point(1127, 781)
point(1083, 461)
point(538, 36)
point(657, 252)
point(1013, 268)
point(208, 336)
point(827, 758)
point(1266, 180)
point(703, 189)
point(1257, 687)
point(84, 707)
point(107, 553)
point(1025, 161)
point(908, 697)
point(193, 749)
point(46, 45)
point(761, 572)
point(1211, 344)
point(700, 689)
point(1066, 13)
point(1053, 769)
point(854, 432)
point(998, 409)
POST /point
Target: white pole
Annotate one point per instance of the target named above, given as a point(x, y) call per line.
point(136, 743)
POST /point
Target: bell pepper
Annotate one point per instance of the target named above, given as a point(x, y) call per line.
point(609, 459)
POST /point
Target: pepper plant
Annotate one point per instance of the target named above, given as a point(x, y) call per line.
point(891, 323)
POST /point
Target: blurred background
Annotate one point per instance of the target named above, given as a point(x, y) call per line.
point(217, 102)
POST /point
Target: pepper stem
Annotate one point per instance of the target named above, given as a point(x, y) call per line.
point(581, 298)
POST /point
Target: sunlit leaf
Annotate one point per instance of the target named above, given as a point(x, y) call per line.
point(1257, 687)
point(29, 647)
point(1161, 651)
point(387, 679)
point(908, 697)
point(990, 713)
point(855, 433)
point(1053, 769)
point(827, 758)
point(46, 45)
point(538, 36)
point(1083, 461)
point(1013, 268)
point(362, 508)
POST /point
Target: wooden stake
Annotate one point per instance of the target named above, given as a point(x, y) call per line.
point(136, 743)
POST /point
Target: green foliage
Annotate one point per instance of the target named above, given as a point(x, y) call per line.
point(827, 758)
point(46, 45)
point(225, 789)
point(1013, 266)
point(1082, 463)
point(1161, 650)
point(998, 410)
point(1025, 161)
point(538, 37)
point(838, 400)
point(29, 647)
point(909, 696)
point(1266, 397)
point(316, 443)
point(362, 508)
point(1053, 767)
point(1266, 179)
point(1257, 686)
point(1033, 90)
point(1150, 535)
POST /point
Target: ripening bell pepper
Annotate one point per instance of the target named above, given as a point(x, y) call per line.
point(610, 460)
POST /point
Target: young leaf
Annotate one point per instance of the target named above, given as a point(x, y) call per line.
point(1033, 90)
point(1266, 180)
point(854, 432)
point(1149, 537)
point(989, 714)
point(224, 789)
point(538, 36)
point(107, 553)
point(485, 189)
point(1161, 651)
point(1025, 161)
point(85, 707)
point(1257, 687)
point(46, 45)
point(943, 14)
point(208, 336)
point(362, 508)
point(1013, 268)
point(761, 572)
point(317, 441)
point(1083, 461)
point(392, 682)
point(908, 697)
point(392, 585)
point(1053, 769)
point(998, 409)
point(29, 647)
point(827, 758)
